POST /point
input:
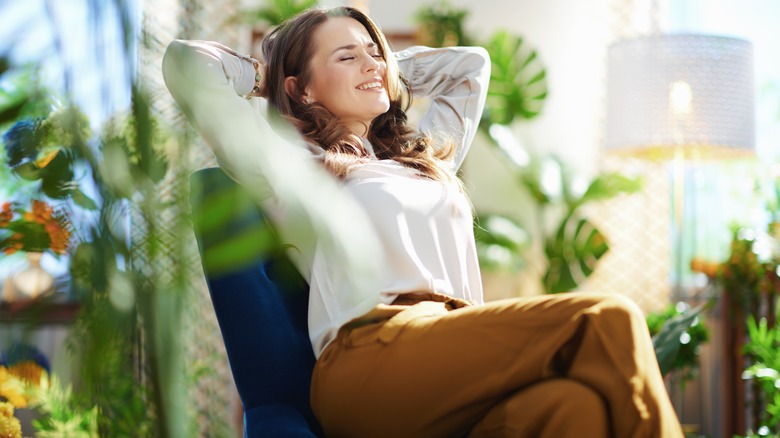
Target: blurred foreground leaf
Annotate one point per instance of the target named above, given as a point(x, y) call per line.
point(227, 221)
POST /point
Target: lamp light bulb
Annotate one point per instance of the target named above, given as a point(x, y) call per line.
point(680, 97)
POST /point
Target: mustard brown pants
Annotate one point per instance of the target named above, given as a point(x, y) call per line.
point(568, 365)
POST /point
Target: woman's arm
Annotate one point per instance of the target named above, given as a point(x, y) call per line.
point(456, 79)
point(272, 162)
point(208, 82)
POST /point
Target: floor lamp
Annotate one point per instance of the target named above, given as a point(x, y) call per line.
point(677, 98)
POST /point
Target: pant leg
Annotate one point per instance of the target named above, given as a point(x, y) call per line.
point(554, 408)
point(429, 375)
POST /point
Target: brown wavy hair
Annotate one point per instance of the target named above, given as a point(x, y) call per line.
point(287, 50)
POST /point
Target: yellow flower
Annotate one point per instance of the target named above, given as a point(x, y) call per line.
point(12, 389)
point(10, 427)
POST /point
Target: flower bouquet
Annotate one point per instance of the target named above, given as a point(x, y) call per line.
point(35, 230)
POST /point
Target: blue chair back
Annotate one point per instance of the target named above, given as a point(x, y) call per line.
point(260, 302)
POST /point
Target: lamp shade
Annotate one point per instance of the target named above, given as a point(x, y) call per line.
point(669, 95)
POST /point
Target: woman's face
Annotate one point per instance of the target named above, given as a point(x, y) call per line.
point(347, 73)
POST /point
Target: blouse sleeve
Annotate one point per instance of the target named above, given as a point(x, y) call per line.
point(456, 79)
point(272, 162)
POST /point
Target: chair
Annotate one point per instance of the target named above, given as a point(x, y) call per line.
point(261, 305)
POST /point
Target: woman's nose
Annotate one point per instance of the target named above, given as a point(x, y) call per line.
point(372, 64)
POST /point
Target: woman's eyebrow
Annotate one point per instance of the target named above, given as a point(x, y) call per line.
point(370, 45)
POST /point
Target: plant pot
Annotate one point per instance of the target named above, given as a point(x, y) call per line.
point(33, 280)
point(25, 417)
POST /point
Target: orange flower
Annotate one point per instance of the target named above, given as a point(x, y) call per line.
point(38, 229)
point(28, 370)
point(6, 214)
point(41, 212)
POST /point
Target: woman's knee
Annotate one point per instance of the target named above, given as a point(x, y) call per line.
point(615, 304)
point(553, 408)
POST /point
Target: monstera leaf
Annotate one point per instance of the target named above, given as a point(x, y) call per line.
point(518, 84)
point(500, 242)
point(572, 253)
point(576, 245)
point(607, 186)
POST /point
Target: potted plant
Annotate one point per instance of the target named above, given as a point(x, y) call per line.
point(33, 230)
point(441, 25)
point(764, 350)
point(678, 333)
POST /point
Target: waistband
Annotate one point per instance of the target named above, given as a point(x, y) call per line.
point(412, 298)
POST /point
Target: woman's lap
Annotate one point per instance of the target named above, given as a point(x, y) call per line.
point(428, 372)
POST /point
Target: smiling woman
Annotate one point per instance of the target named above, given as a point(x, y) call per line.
point(404, 344)
point(350, 74)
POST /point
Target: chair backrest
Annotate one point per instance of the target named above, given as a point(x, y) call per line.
point(261, 305)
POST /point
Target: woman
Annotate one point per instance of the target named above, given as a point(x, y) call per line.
point(389, 254)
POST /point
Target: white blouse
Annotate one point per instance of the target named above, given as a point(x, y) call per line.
point(384, 230)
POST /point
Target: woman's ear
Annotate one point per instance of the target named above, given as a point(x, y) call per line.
point(291, 88)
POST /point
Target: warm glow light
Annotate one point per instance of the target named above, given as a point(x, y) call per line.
point(680, 97)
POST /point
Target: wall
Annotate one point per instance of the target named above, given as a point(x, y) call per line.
point(570, 38)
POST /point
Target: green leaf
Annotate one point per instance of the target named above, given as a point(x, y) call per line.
point(28, 171)
point(277, 11)
point(518, 85)
point(441, 24)
point(239, 250)
point(559, 277)
point(500, 242)
point(115, 167)
point(12, 110)
point(501, 230)
point(609, 185)
point(667, 342)
point(572, 252)
point(228, 222)
point(83, 200)
point(57, 176)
